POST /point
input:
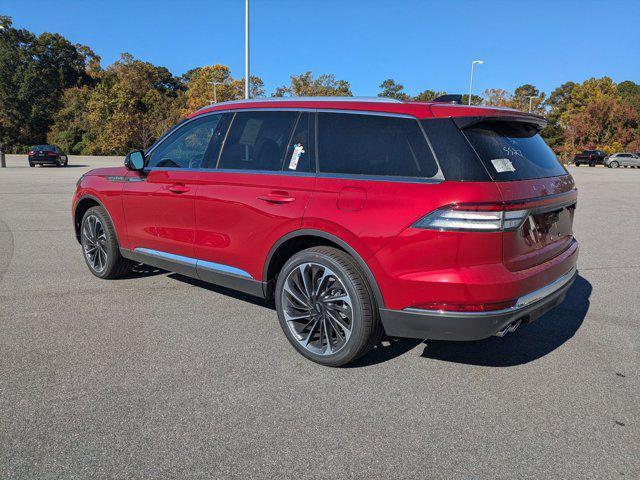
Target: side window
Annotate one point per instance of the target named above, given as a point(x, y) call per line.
point(257, 140)
point(187, 146)
point(299, 156)
point(373, 145)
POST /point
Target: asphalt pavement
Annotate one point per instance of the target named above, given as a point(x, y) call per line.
point(160, 376)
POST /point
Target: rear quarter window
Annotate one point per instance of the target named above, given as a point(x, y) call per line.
point(512, 151)
point(373, 145)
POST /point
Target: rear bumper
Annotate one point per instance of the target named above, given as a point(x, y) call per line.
point(439, 325)
point(45, 161)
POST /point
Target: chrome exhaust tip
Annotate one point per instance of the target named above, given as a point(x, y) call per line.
point(512, 327)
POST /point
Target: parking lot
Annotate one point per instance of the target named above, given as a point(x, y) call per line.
point(158, 375)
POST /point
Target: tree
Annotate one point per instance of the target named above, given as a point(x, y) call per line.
point(497, 97)
point(521, 96)
point(304, 85)
point(557, 103)
point(131, 106)
point(475, 99)
point(391, 89)
point(34, 73)
point(69, 130)
point(427, 96)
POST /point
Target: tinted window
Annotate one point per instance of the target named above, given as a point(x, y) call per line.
point(513, 151)
point(257, 140)
point(455, 156)
point(373, 145)
point(187, 146)
point(299, 156)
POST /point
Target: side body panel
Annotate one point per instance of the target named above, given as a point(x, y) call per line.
point(159, 210)
point(240, 215)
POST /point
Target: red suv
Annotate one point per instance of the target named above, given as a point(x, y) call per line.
point(359, 217)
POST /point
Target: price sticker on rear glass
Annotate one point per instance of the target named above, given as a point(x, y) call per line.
point(503, 165)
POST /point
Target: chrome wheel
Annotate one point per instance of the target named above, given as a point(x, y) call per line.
point(317, 309)
point(94, 243)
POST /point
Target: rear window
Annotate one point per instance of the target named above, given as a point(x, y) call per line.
point(40, 148)
point(513, 151)
point(373, 145)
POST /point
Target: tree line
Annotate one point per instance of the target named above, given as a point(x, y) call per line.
point(54, 91)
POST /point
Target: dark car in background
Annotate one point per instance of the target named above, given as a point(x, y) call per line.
point(590, 157)
point(47, 155)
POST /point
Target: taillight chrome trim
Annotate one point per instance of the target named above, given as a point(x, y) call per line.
point(472, 218)
point(522, 302)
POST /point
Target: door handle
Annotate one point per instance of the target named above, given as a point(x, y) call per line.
point(178, 188)
point(277, 197)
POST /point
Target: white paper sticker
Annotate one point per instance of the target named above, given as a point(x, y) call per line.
point(503, 165)
point(298, 150)
point(250, 132)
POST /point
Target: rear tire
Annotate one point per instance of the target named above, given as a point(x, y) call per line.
point(100, 246)
point(577, 164)
point(326, 306)
point(31, 165)
point(614, 164)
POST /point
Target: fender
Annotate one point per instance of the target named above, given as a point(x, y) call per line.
point(99, 202)
point(344, 245)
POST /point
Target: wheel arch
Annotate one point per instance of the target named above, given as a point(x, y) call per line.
point(83, 204)
point(298, 240)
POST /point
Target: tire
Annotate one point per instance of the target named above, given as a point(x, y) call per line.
point(98, 236)
point(592, 164)
point(577, 164)
point(333, 342)
point(614, 164)
point(31, 165)
point(66, 162)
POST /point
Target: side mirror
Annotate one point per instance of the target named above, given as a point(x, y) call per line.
point(135, 160)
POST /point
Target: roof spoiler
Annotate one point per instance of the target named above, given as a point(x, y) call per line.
point(453, 98)
point(535, 120)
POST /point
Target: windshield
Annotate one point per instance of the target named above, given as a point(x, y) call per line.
point(513, 151)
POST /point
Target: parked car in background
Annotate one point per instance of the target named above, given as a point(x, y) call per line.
point(589, 157)
point(623, 160)
point(359, 217)
point(47, 155)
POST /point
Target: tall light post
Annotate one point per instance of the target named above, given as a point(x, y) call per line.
point(531, 102)
point(479, 62)
point(246, 49)
point(215, 94)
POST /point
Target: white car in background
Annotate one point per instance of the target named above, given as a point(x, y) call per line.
point(623, 160)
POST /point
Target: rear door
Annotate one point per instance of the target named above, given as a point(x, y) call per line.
point(254, 192)
point(530, 179)
point(159, 203)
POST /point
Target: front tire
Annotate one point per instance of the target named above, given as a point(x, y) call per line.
point(326, 306)
point(100, 245)
point(614, 164)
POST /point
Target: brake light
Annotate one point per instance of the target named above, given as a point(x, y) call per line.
point(467, 307)
point(480, 217)
point(32, 152)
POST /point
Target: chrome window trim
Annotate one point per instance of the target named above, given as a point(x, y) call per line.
point(522, 302)
point(437, 178)
point(306, 99)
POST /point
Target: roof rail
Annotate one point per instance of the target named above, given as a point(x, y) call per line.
point(306, 99)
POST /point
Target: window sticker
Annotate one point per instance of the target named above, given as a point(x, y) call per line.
point(503, 165)
point(298, 150)
point(250, 132)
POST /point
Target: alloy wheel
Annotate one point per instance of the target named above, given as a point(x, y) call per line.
point(317, 309)
point(94, 243)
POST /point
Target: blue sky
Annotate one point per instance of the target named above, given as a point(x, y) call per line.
point(421, 44)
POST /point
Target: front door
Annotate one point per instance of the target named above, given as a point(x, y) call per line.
point(253, 195)
point(159, 203)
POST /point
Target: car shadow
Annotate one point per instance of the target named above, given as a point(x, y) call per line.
point(141, 270)
point(526, 344)
point(223, 291)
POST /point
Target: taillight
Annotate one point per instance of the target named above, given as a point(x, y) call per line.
point(32, 153)
point(52, 154)
point(480, 218)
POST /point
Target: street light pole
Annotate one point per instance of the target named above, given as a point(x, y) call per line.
point(215, 94)
point(246, 49)
point(479, 62)
point(530, 102)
